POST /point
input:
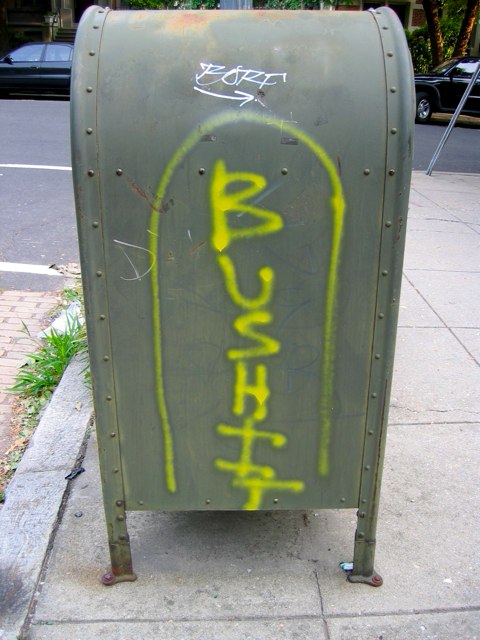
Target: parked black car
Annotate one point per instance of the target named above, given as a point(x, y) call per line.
point(441, 90)
point(37, 68)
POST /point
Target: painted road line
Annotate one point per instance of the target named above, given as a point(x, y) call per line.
point(18, 267)
point(35, 166)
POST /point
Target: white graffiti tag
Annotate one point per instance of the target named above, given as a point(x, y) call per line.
point(212, 74)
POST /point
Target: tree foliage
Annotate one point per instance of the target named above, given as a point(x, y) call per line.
point(214, 4)
point(468, 22)
point(419, 45)
point(445, 17)
point(432, 15)
point(151, 4)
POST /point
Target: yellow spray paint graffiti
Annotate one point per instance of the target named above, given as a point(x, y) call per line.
point(224, 203)
point(256, 479)
point(265, 275)
point(257, 306)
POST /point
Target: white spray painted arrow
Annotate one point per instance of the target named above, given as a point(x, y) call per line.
point(241, 95)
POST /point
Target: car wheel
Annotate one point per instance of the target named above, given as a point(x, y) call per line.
point(424, 108)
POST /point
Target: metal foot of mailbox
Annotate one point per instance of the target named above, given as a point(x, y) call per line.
point(121, 567)
point(375, 580)
point(110, 578)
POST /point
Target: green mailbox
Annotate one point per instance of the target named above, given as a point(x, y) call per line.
point(241, 183)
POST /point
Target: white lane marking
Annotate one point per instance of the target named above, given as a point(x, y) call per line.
point(35, 166)
point(20, 267)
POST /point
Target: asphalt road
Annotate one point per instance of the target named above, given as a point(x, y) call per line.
point(461, 153)
point(37, 214)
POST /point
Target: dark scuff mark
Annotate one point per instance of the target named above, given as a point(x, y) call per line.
point(14, 593)
point(399, 229)
point(149, 199)
point(339, 165)
point(166, 206)
point(196, 247)
point(320, 121)
point(138, 190)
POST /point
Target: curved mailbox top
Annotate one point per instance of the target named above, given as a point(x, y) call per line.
point(241, 183)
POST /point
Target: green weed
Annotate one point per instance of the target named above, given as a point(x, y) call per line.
point(45, 366)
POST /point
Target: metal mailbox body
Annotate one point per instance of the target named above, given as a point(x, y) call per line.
point(241, 183)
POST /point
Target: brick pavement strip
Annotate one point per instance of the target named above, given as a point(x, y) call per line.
point(32, 308)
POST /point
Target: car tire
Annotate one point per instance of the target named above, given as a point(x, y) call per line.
point(423, 112)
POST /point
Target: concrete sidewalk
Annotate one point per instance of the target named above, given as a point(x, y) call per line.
point(275, 575)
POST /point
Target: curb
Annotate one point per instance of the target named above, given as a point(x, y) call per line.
point(35, 495)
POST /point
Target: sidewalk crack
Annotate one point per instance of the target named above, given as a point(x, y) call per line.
point(322, 610)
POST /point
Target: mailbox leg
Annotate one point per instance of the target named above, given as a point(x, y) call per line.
point(122, 570)
point(120, 554)
point(364, 550)
point(363, 561)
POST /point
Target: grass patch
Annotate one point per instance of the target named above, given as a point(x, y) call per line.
point(45, 366)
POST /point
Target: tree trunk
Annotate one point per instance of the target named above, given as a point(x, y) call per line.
point(466, 29)
point(4, 43)
point(434, 30)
